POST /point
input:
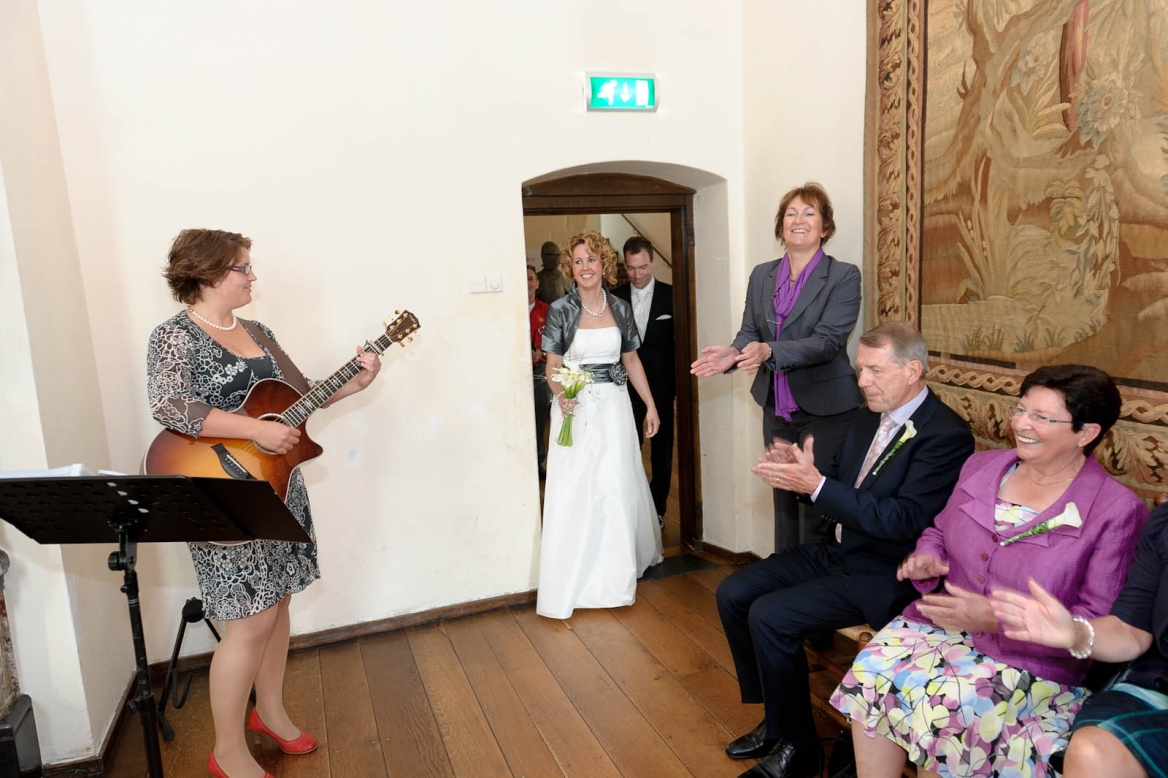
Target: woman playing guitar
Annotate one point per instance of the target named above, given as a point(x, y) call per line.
point(201, 364)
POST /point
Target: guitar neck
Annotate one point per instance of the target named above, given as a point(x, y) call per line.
point(320, 394)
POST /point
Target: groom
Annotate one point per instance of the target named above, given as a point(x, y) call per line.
point(652, 303)
point(894, 473)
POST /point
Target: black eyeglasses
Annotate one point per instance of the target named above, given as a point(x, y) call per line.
point(1038, 418)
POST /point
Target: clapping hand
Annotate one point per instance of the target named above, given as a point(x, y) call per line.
point(1038, 619)
point(921, 567)
point(714, 361)
point(753, 355)
point(781, 452)
point(959, 610)
point(789, 467)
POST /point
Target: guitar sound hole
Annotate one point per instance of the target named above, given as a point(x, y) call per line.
point(270, 417)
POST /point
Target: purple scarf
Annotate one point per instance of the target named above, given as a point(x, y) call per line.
point(786, 294)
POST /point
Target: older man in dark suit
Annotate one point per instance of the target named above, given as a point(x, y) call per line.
point(652, 303)
point(893, 474)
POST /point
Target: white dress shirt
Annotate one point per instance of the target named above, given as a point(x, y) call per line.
point(642, 300)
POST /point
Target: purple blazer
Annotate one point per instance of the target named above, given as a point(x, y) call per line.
point(1084, 567)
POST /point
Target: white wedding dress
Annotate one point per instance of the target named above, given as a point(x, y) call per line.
point(600, 528)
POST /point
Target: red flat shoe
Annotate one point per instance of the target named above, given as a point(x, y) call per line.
point(214, 769)
point(302, 744)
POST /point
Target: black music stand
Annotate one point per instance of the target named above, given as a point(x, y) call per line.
point(129, 509)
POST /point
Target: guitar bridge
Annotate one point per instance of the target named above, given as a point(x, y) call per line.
point(230, 464)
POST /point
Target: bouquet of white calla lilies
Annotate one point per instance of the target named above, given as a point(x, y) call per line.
point(1068, 518)
point(573, 379)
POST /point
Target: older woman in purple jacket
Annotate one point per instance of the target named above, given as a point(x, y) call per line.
point(1122, 732)
point(941, 684)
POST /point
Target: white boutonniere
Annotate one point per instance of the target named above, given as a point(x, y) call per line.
point(1068, 518)
point(910, 432)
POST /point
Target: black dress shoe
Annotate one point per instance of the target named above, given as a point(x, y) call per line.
point(784, 761)
point(752, 745)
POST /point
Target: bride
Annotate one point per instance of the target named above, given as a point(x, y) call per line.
point(600, 529)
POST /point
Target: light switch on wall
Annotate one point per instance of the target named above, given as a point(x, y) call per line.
point(485, 284)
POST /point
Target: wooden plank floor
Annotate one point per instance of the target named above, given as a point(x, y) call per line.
point(645, 691)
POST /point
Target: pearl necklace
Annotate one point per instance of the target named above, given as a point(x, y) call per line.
point(603, 304)
point(209, 323)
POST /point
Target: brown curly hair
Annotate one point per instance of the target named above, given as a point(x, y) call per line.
point(200, 258)
point(814, 195)
point(598, 246)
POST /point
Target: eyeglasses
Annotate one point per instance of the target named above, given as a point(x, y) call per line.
point(245, 269)
point(1037, 418)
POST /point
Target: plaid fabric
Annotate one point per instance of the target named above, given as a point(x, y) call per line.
point(1138, 717)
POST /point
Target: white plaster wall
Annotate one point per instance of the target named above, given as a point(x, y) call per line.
point(375, 154)
point(319, 133)
point(804, 72)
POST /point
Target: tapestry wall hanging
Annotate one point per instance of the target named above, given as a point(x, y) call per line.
point(1018, 160)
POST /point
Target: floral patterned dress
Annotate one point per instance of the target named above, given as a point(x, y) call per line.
point(953, 709)
point(188, 374)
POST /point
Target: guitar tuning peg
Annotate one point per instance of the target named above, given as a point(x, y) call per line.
point(383, 324)
point(398, 312)
point(410, 339)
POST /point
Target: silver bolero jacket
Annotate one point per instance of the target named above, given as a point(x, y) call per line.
point(563, 319)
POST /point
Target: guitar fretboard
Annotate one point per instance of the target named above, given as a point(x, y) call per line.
point(300, 410)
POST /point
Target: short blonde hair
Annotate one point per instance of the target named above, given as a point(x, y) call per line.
point(598, 246)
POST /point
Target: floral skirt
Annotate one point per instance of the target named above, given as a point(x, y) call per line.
point(954, 710)
point(242, 580)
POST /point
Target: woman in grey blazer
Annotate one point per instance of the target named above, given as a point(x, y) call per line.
point(800, 311)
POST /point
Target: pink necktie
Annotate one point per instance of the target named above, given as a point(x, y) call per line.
point(883, 435)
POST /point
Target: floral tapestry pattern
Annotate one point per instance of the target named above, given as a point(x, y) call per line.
point(1019, 153)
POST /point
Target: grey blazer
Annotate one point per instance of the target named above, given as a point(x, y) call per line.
point(812, 347)
point(563, 319)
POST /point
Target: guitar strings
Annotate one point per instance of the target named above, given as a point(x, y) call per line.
point(348, 371)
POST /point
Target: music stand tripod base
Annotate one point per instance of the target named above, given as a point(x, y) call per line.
point(129, 510)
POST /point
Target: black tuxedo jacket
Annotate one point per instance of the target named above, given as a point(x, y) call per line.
point(656, 351)
point(883, 518)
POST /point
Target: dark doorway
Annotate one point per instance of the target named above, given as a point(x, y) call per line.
point(616, 193)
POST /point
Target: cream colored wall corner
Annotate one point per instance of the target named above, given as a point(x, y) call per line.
point(68, 619)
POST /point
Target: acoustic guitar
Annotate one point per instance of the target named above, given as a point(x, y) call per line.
point(173, 453)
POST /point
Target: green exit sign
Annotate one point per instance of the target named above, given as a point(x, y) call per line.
point(620, 92)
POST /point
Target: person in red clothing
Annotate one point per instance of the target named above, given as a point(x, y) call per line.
point(537, 315)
